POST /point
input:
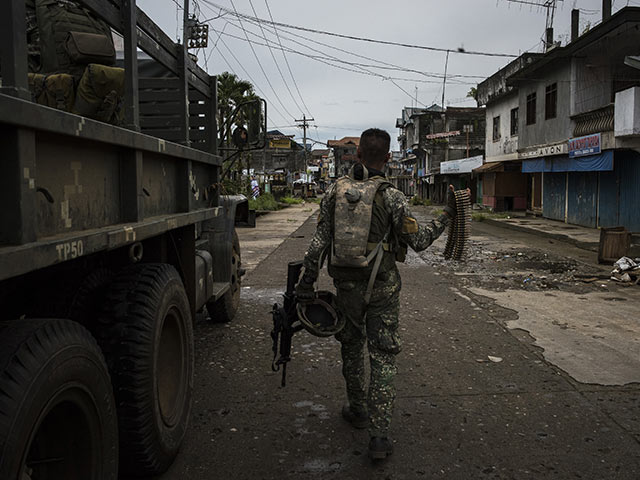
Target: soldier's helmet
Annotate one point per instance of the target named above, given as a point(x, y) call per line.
point(320, 317)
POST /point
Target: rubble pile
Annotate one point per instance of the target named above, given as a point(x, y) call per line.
point(626, 270)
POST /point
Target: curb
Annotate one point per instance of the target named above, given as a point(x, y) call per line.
point(590, 246)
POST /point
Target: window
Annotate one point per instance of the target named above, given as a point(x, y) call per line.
point(551, 101)
point(514, 121)
point(496, 128)
point(531, 108)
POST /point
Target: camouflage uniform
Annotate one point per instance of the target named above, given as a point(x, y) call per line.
point(33, 36)
point(376, 324)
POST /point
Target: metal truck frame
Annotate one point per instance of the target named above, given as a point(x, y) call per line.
point(111, 239)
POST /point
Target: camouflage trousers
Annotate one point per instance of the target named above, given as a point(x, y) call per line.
point(379, 330)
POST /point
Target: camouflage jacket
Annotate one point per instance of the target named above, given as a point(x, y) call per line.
point(404, 225)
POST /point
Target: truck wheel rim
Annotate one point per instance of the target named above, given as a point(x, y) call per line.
point(65, 442)
point(172, 368)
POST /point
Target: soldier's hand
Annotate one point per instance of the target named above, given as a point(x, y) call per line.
point(304, 290)
point(451, 208)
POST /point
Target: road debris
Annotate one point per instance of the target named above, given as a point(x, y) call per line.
point(626, 270)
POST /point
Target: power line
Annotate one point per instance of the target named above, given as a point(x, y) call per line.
point(251, 79)
point(361, 70)
point(275, 61)
point(387, 66)
point(327, 59)
point(364, 39)
point(352, 64)
point(287, 61)
point(259, 63)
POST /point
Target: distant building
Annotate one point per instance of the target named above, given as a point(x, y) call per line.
point(319, 163)
point(281, 155)
point(430, 137)
point(344, 152)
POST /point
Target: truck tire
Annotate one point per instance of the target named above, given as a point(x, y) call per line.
point(57, 411)
point(146, 333)
point(225, 308)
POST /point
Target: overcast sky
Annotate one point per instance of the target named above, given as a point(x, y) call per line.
point(343, 103)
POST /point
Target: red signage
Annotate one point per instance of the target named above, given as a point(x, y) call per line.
point(581, 146)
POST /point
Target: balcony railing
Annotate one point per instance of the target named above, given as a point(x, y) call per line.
point(594, 121)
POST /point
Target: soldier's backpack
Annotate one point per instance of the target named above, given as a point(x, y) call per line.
point(100, 94)
point(55, 91)
point(71, 37)
point(352, 225)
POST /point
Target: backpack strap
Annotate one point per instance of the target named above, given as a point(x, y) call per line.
point(378, 252)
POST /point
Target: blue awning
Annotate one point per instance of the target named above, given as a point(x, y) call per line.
point(591, 163)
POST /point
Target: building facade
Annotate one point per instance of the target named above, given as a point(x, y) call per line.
point(576, 126)
point(344, 154)
point(501, 183)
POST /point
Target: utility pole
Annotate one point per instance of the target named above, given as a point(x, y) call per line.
point(304, 124)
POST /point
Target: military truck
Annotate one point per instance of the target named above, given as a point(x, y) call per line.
point(111, 240)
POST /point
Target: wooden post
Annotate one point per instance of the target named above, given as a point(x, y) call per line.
point(130, 32)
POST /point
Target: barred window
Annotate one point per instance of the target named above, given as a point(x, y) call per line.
point(513, 130)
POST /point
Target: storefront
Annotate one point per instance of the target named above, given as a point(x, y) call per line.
point(593, 190)
point(503, 186)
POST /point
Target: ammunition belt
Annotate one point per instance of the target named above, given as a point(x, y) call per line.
point(459, 227)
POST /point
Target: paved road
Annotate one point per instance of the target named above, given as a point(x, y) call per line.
point(459, 414)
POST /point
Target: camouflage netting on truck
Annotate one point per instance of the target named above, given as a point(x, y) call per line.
point(459, 228)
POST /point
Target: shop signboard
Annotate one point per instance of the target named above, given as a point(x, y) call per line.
point(465, 165)
point(587, 145)
point(279, 143)
point(433, 136)
point(544, 150)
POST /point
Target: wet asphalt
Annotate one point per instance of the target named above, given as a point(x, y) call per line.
point(475, 399)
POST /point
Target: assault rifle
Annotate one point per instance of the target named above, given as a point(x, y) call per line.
point(283, 321)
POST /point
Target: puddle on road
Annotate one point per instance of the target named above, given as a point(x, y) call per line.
point(321, 466)
point(261, 295)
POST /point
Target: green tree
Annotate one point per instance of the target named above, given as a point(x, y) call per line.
point(232, 91)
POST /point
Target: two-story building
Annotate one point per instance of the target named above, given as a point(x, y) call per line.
point(433, 136)
point(344, 154)
point(578, 125)
point(501, 183)
point(281, 155)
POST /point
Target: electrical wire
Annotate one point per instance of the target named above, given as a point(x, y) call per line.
point(362, 39)
point(260, 63)
point(361, 70)
point(286, 84)
point(287, 63)
point(330, 59)
point(251, 79)
point(389, 66)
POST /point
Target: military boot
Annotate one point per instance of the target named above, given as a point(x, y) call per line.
point(380, 448)
point(357, 419)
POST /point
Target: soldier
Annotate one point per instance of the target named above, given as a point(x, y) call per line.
point(364, 226)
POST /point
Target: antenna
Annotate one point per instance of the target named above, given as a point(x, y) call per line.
point(550, 6)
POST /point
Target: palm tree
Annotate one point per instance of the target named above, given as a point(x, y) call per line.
point(232, 92)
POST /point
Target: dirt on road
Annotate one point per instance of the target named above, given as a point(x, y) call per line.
point(478, 398)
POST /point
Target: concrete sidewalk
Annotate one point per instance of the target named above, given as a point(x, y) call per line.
point(582, 237)
point(270, 231)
